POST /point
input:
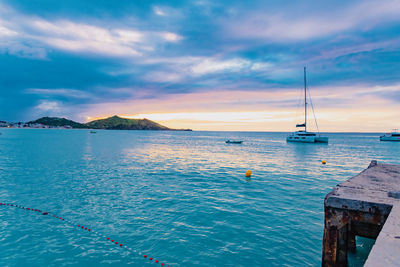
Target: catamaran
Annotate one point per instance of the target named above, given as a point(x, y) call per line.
point(304, 136)
point(393, 136)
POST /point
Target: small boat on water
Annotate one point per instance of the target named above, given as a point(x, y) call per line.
point(92, 132)
point(304, 136)
point(393, 136)
point(233, 142)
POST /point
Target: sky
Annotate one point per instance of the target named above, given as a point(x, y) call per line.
point(205, 65)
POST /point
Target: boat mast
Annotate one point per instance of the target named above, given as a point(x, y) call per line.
point(305, 100)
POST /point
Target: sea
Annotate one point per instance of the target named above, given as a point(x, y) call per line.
point(179, 198)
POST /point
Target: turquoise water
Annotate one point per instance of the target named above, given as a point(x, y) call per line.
point(179, 196)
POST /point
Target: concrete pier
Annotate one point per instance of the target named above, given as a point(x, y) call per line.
point(366, 205)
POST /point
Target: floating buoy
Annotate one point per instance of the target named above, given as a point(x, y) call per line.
point(248, 173)
point(323, 161)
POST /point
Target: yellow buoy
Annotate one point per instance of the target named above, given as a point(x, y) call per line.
point(323, 161)
point(248, 173)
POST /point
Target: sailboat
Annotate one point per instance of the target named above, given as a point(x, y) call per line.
point(303, 136)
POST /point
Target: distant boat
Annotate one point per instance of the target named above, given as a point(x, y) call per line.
point(93, 132)
point(304, 136)
point(233, 142)
point(393, 136)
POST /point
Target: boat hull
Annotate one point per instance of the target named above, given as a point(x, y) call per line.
point(389, 138)
point(321, 139)
point(307, 139)
point(233, 142)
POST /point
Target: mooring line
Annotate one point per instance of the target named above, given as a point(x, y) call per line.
point(86, 229)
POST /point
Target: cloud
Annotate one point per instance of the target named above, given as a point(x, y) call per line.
point(171, 37)
point(163, 77)
point(261, 66)
point(80, 37)
point(10, 42)
point(223, 57)
point(368, 46)
point(158, 11)
point(51, 106)
point(167, 13)
point(215, 66)
point(68, 93)
point(299, 25)
point(232, 73)
point(179, 69)
point(16, 48)
point(267, 110)
point(6, 32)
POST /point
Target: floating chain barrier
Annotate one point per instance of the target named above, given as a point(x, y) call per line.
point(86, 229)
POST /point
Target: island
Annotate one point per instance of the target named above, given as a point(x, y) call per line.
point(111, 123)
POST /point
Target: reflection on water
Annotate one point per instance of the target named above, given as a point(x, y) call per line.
point(182, 196)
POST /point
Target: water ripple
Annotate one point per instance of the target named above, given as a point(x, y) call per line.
point(181, 196)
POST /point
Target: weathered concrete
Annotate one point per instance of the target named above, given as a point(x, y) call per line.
point(359, 206)
point(386, 251)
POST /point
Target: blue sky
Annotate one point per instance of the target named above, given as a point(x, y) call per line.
point(234, 65)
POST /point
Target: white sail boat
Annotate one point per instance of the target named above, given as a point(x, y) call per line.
point(304, 136)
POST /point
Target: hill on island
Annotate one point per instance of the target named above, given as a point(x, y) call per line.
point(111, 123)
point(55, 122)
point(118, 123)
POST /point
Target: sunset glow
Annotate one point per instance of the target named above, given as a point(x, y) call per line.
point(202, 65)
